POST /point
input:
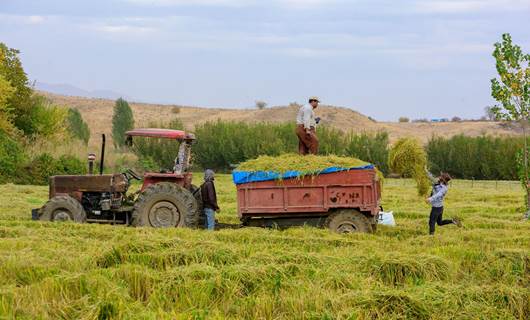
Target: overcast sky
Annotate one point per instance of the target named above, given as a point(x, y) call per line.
point(384, 58)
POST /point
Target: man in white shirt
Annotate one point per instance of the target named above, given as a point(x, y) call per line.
point(306, 128)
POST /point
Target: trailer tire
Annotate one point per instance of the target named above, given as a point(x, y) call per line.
point(348, 221)
point(63, 208)
point(165, 205)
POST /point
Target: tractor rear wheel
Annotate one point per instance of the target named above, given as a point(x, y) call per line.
point(348, 221)
point(165, 205)
point(63, 208)
point(196, 191)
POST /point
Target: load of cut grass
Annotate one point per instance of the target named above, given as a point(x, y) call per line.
point(408, 159)
point(306, 165)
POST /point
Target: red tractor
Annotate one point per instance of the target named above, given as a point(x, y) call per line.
point(166, 199)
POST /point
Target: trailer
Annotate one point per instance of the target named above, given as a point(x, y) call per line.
point(341, 199)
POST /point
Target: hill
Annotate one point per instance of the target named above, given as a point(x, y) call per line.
point(98, 114)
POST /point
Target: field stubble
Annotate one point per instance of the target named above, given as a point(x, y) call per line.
point(75, 271)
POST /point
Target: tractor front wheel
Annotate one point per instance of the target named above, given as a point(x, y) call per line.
point(63, 208)
point(348, 221)
point(165, 205)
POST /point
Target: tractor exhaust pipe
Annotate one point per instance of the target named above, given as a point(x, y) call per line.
point(102, 154)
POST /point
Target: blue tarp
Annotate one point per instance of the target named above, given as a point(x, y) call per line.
point(241, 177)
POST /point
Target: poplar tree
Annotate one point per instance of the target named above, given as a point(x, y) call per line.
point(512, 90)
point(122, 121)
point(77, 126)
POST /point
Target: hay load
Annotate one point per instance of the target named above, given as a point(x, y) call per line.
point(305, 164)
point(292, 165)
point(408, 159)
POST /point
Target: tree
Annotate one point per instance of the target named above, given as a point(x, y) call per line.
point(403, 119)
point(512, 91)
point(260, 104)
point(20, 108)
point(77, 126)
point(490, 115)
point(122, 121)
point(16, 104)
point(456, 119)
point(6, 92)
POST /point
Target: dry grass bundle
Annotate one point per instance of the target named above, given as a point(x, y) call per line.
point(408, 159)
point(295, 162)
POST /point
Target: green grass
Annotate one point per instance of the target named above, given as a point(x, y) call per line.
point(72, 271)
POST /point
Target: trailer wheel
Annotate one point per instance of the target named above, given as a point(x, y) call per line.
point(165, 205)
point(348, 221)
point(63, 208)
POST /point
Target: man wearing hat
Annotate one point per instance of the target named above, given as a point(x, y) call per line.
point(306, 128)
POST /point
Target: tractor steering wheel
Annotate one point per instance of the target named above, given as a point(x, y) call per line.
point(131, 174)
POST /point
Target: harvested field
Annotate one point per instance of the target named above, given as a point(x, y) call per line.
point(73, 271)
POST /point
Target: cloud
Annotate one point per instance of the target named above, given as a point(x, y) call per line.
point(469, 6)
point(124, 29)
point(36, 19)
point(24, 19)
point(167, 3)
point(295, 4)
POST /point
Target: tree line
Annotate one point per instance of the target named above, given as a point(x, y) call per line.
point(221, 145)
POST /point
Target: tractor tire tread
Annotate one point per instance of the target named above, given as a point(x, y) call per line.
point(179, 196)
point(66, 202)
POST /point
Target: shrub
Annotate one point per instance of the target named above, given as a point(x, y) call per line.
point(175, 109)
point(261, 104)
point(45, 165)
point(11, 157)
point(403, 119)
point(221, 145)
point(294, 104)
point(41, 118)
point(67, 164)
point(484, 157)
point(369, 147)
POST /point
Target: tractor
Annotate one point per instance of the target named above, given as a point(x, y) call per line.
point(166, 198)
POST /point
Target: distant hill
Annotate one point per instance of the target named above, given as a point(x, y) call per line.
point(98, 114)
point(69, 90)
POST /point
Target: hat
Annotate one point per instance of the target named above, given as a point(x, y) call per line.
point(314, 98)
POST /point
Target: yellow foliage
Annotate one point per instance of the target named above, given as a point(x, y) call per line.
point(6, 91)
